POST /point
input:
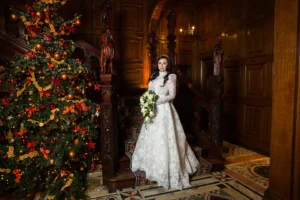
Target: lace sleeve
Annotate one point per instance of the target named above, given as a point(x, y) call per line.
point(171, 84)
point(150, 86)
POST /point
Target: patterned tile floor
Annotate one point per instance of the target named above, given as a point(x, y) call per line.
point(239, 181)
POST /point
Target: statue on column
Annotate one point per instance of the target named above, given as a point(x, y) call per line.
point(107, 53)
point(171, 22)
point(218, 59)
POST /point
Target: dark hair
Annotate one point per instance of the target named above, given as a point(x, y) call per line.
point(156, 70)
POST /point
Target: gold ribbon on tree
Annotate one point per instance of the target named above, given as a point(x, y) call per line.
point(29, 155)
point(41, 124)
point(5, 170)
point(10, 152)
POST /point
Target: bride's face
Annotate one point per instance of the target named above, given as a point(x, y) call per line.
point(162, 64)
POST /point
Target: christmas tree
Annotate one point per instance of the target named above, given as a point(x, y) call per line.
point(47, 130)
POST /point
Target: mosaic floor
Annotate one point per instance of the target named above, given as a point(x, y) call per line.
point(245, 177)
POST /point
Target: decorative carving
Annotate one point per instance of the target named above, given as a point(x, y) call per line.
point(107, 53)
point(107, 148)
point(105, 9)
point(152, 50)
point(171, 22)
point(106, 119)
point(218, 59)
point(171, 37)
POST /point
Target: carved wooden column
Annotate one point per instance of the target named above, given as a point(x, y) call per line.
point(216, 104)
point(108, 134)
point(152, 50)
point(171, 37)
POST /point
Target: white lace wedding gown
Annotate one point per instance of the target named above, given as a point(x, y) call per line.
point(162, 150)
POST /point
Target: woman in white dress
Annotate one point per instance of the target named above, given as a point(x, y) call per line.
point(162, 150)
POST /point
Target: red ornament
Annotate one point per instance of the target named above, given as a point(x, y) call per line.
point(97, 86)
point(42, 107)
point(91, 145)
point(61, 42)
point(52, 106)
point(24, 141)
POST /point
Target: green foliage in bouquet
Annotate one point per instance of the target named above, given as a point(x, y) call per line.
point(147, 104)
point(47, 130)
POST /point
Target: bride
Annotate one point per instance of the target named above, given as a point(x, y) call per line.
point(162, 150)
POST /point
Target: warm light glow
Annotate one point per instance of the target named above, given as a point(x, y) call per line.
point(193, 27)
point(14, 16)
point(180, 30)
point(223, 34)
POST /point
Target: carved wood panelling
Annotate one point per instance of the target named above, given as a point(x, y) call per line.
point(232, 81)
point(132, 49)
point(204, 21)
point(96, 13)
point(163, 48)
point(233, 9)
point(163, 24)
point(231, 46)
point(203, 46)
point(257, 122)
point(132, 17)
point(258, 80)
point(133, 76)
point(231, 122)
point(184, 59)
point(186, 47)
point(257, 7)
point(259, 39)
point(217, 15)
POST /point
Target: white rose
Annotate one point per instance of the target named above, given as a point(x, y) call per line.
point(150, 97)
point(151, 114)
point(147, 119)
point(146, 104)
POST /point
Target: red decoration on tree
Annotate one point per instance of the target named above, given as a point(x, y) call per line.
point(97, 86)
point(91, 145)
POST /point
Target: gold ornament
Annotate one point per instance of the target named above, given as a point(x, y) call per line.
point(69, 68)
point(52, 162)
point(77, 22)
point(57, 56)
point(70, 96)
point(76, 141)
point(72, 154)
point(64, 77)
point(39, 47)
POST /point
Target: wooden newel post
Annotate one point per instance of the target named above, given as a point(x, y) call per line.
point(171, 37)
point(152, 50)
point(216, 104)
point(108, 134)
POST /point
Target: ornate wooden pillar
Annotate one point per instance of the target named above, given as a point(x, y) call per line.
point(171, 37)
point(108, 134)
point(216, 104)
point(152, 50)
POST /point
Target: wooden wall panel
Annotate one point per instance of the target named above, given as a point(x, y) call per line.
point(231, 46)
point(132, 49)
point(186, 47)
point(217, 15)
point(232, 81)
point(204, 46)
point(133, 76)
point(203, 25)
point(255, 40)
point(258, 80)
point(132, 17)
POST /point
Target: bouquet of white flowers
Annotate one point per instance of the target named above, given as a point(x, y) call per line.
point(147, 103)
